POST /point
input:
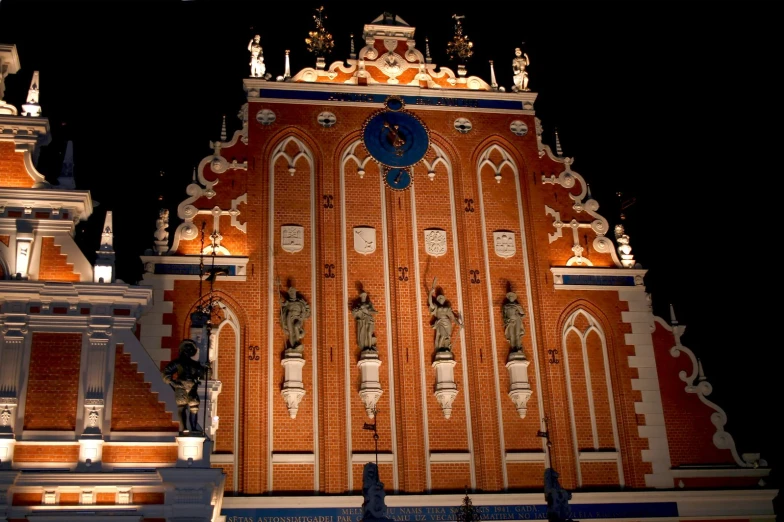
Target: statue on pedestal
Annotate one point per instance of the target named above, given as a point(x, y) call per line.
point(184, 376)
point(444, 318)
point(161, 234)
point(364, 314)
point(519, 75)
point(257, 67)
point(513, 322)
point(293, 312)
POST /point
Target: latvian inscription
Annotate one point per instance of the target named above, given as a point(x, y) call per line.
point(638, 510)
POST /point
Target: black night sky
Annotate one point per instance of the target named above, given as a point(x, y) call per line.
point(670, 103)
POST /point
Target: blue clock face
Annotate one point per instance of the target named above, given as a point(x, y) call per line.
point(396, 138)
point(397, 178)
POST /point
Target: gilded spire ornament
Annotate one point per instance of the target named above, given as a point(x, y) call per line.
point(320, 41)
point(461, 47)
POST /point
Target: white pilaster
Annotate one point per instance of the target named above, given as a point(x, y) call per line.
point(640, 317)
point(446, 388)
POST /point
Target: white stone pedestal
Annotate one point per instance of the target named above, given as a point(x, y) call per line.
point(193, 451)
point(6, 451)
point(293, 389)
point(446, 388)
point(519, 387)
point(90, 453)
point(370, 389)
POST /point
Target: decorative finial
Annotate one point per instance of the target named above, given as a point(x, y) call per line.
point(103, 270)
point(558, 150)
point(194, 175)
point(32, 108)
point(66, 179)
point(673, 320)
point(461, 47)
point(320, 42)
point(352, 54)
point(588, 195)
point(428, 59)
point(287, 69)
point(493, 83)
point(700, 371)
point(223, 129)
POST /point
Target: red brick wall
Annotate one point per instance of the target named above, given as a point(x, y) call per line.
point(53, 381)
point(12, 169)
point(450, 477)
point(117, 454)
point(26, 499)
point(227, 357)
point(148, 498)
point(48, 453)
point(54, 265)
point(293, 478)
point(689, 427)
point(134, 406)
point(363, 207)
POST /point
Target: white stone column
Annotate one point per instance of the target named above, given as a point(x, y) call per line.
point(370, 387)
point(94, 365)
point(519, 387)
point(293, 388)
point(446, 388)
point(15, 335)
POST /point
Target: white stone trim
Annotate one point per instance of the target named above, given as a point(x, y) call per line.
point(364, 458)
point(306, 154)
point(658, 452)
point(77, 202)
point(720, 472)
point(451, 458)
point(421, 340)
point(294, 458)
point(721, 439)
point(389, 89)
point(525, 456)
point(222, 458)
point(350, 154)
point(442, 158)
point(599, 456)
point(390, 344)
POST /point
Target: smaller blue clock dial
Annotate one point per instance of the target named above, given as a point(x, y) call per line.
point(397, 178)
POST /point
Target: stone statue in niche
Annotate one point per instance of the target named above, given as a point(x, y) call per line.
point(519, 75)
point(364, 314)
point(257, 67)
point(444, 319)
point(293, 312)
point(513, 322)
point(184, 376)
point(557, 498)
point(373, 505)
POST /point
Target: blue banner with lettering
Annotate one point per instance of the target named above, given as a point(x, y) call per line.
point(411, 101)
point(447, 513)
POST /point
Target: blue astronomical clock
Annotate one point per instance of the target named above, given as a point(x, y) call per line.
point(397, 140)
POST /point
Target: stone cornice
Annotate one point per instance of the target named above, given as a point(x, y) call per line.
point(114, 294)
point(24, 129)
point(78, 201)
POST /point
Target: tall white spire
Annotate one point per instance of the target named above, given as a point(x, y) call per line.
point(493, 83)
point(103, 271)
point(558, 150)
point(31, 107)
point(287, 70)
point(223, 129)
point(66, 179)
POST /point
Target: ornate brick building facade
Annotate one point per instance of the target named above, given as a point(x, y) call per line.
point(384, 244)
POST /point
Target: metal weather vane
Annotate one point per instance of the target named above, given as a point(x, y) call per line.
point(320, 42)
point(460, 47)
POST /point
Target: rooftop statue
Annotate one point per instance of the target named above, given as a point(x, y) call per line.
point(257, 67)
point(519, 75)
